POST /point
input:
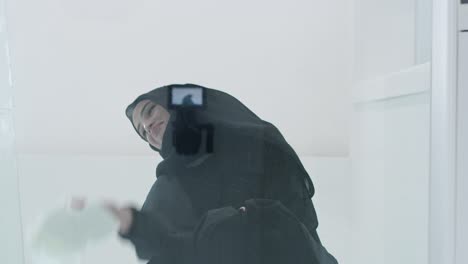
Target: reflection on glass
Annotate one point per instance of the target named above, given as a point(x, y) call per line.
point(371, 202)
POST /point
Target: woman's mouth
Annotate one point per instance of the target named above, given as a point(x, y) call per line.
point(156, 128)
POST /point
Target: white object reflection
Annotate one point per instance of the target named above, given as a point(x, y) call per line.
point(64, 234)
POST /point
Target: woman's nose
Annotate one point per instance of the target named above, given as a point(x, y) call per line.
point(147, 127)
point(150, 125)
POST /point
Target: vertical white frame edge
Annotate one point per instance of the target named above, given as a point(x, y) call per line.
point(442, 193)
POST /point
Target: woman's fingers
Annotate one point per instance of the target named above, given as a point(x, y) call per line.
point(78, 203)
point(123, 214)
point(126, 220)
point(111, 207)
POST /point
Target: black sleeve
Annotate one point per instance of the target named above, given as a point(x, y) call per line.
point(145, 234)
point(163, 228)
point(320, 253)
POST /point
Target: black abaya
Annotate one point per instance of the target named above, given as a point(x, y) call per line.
point(251, 159)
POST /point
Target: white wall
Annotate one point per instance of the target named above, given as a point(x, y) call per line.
point(390, 181)
point(45, 181)
point(78, 64)
point(333, 201)
point(385, 36)
point(389, 140)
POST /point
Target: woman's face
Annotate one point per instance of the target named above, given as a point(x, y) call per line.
point(150, 120)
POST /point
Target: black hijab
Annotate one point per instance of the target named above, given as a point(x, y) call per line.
point(251, 158)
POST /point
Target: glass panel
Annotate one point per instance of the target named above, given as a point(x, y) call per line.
point(322, 109)
point(11, 239)
point(5, 85)
point(10, 220)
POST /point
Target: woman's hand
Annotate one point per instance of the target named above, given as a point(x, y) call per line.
point(78, 203)
point(122, 214)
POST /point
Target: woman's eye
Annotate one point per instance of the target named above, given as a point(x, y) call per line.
point(150, 111)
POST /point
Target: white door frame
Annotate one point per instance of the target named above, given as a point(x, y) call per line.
point(442, 200)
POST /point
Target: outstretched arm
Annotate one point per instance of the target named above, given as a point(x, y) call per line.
point(163, 227)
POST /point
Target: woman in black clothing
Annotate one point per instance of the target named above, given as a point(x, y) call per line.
point(250, 159)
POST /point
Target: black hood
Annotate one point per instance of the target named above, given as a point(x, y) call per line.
point(245, 147)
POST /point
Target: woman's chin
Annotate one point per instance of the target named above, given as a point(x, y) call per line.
point(156, 144)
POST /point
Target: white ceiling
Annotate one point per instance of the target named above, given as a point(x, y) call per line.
point(78, 64)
